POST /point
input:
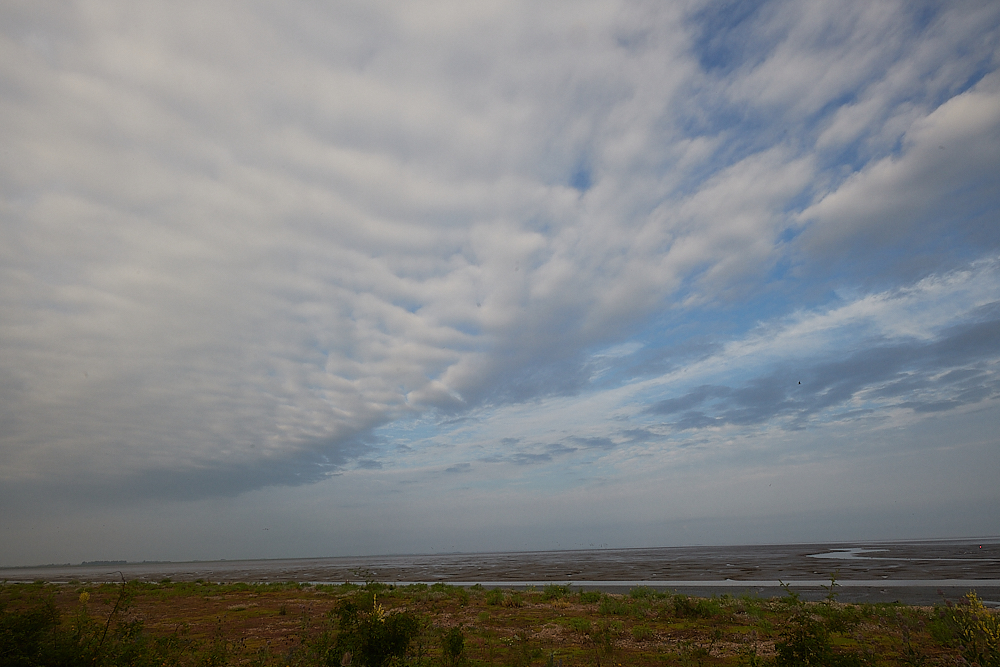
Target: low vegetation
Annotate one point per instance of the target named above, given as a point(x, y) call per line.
point(378, 625)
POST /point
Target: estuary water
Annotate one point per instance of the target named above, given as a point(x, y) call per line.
point(919, 572)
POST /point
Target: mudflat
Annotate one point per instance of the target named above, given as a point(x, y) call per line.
point(911, 572)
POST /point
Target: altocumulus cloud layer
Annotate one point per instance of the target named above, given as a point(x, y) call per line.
point(329, 278)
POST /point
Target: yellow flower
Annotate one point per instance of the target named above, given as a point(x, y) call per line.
point(84, 597)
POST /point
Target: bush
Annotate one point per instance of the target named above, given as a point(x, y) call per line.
point(36, 637)
point(613, 606)
point(555, 591)
point(513, 600)
point(687, 607)
point(23, 634)
point(522, 650)
point(971, 627)
point(452, 647)
point(807, 641)
point(604, 637)
point(640, 592)
point(494, 597)
point(372, 638)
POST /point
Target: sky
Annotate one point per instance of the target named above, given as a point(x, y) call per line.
point(309, 279)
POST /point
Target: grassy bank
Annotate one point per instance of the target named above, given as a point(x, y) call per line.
point(376, 625)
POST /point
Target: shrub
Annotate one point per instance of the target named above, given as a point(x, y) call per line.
point(687, 607)
point(590, 597)
point(23, 634)
point(513, 600)
point(604, 636)
point(452, 647)
point(578, 624)
point(971, 627)
point(372, 637)
point(35, 636)
point(555, 591)
point(613, 606)
point(807, 641)
point(839, 619)
point(641, 608)
point(640, 592)
point(494, 597)
point(522, 650)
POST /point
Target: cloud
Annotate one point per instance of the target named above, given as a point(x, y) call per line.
point(247, 248)
point(593, 442)
point(918, 370)
point(944, 172)
point(876, 354)
point(874, 361)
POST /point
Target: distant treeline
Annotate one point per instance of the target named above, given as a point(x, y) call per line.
point(104, 562)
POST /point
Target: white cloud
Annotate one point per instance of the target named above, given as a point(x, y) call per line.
point(946, 169)
point(241, 242)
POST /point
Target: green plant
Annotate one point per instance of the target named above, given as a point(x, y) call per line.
point(452, 647)
point(831, 592)
point(578, 624)
point(494, 597)
point(640, 592)
point(688, 607)
point(973, 628)
point(604, 636)
point(750, 605)
point(791, 597)
point(909, 625)
point(641, 633)
point(555, 591)
point(590, 597)
point(691, 653)
point(370, 637)
point(513, 599)
point(24, 634)
point(218, 652)
point(641, 608)
point(807, 641)
point(522, 650)
point(613, 606)
point(747, 656)
point(35, 635)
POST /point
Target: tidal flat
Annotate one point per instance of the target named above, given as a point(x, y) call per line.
point(915, 572)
